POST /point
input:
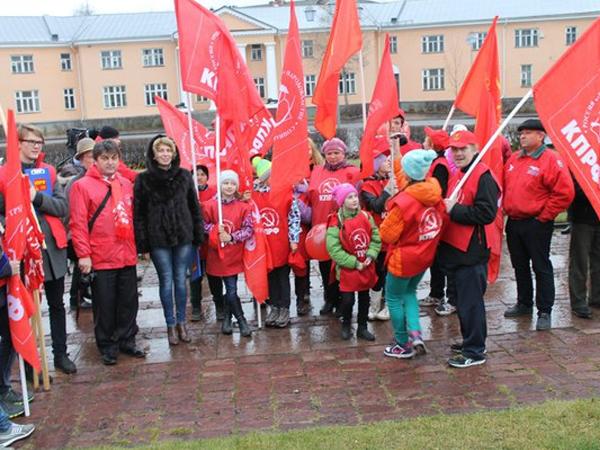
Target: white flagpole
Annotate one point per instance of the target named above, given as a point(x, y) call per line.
point(24, 386)
point(449, 117)
point(489, 143)
point(218, 165)
point(192, 141)
point(362, 88)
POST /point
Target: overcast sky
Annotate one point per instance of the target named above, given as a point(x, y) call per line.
point(66, 7)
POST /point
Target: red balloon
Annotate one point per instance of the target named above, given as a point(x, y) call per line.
point(315, 243)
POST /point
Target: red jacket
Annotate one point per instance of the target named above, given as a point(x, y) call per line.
point(320, 190)
point(125, 171)
point(536, 187)
point(102, 245)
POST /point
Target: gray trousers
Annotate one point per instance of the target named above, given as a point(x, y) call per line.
point(584, 265)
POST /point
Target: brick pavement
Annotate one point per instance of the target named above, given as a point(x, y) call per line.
point(306, 376)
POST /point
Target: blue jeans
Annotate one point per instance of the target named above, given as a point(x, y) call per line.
point(5, 422)
point(171, 265)
point(216, 288)
point(7, 352)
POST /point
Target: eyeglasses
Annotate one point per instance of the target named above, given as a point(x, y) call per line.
point(33, 142)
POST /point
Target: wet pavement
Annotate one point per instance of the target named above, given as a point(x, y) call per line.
point(306, 375)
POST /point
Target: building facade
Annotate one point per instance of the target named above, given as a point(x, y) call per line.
point(108, 66)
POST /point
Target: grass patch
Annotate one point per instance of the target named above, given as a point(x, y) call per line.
point(551, 425)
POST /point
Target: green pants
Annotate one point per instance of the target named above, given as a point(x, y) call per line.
point(401, 298)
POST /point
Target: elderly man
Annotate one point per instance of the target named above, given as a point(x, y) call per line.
point(538, 187)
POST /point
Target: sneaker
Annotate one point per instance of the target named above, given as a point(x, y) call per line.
point(272, 316)
point(85, 304)
point(399, 351)
point(518, 310)
point(283, 319)
point(430, 301)
point(303, 307)
point(445, 309)
point(15, 433)
point(544, 322)
point(12, 396)
point(461, 361)
point(458, 347)
point(566, 230)
point(583, 313)
point(12, 410)
point(417, 343)
point(196, 315)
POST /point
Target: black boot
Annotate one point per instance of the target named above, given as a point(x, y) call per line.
point(226, 326)
point(238, 312)
point(219, 307)
point(362, 332)
point(346, 331)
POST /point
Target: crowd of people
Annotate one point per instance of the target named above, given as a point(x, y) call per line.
point(382, 234)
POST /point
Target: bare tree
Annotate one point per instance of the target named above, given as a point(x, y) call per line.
point(83, 9)
point(454, 58)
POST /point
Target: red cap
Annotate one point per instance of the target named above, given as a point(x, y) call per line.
point(439, 138)
point(461, 139)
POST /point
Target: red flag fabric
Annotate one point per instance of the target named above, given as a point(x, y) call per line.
point(18, 224)
point(256, 257)
point(345, 40)
point(290, 141)
point(384, 107)
point(567, 99)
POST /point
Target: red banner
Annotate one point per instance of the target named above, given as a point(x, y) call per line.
point(567, 99)
point(256, 258)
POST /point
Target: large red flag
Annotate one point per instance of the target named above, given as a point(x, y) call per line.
point(344, 41)
point(479, 96)
point(18, 229)
point(290, 140)
point(567, 99)
point(384, 107)
point(256, 257)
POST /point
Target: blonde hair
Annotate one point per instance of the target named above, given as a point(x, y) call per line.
point(315, 155)
point(25, 128)
point(164, 141)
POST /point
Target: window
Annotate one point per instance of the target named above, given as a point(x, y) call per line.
point(27, 102)
point(115, 97)
point(111, 59)
point(476, 39)
point(570, 35)
point(432, 44)
point(202, 99)
point(308, 49)
point(527, 37)
point(260, 86)
point(150, 90)
point(310, 82)
point(347, 83)
point(152, 57)
point(393, 44)
point(433, 79)
point(65, 61)
point(526, 75)
point(21, 64)
point(256, 52)
point(69, 96)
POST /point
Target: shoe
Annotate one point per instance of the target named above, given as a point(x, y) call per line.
point(518, 310)
point(362, 332)
point(238, 312)
point(303, 306)
point(226, 325)
point(374, 304)
point(445, 309)
point(583, 313)
point(85, 304)
point(327, 308)
point(172, 336)
point(384, 314)
point(219, 310)
point(346, 332)
point(15, 433)
point(271, 318)
point(461, 361)
point(196, 315)
point(108, 359)
point(283, 319)
point(458, 347)
point(64, 364)
point(12, 396)
point(245, 330)
point(399, 351)
point(544, 322)
point(73, 303)
point(182, 333)
point(133, 350)
point(417, 342)
point(430, 301)
point(12, 409)
point(566, 230)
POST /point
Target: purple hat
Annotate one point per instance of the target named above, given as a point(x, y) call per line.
point(334, 144)
point(341, 191)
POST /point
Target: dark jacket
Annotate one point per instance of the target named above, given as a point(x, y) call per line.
point(581, 210)
point(166, 212)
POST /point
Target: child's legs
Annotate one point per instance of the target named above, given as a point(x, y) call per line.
point(411, 304)
point(394, 291)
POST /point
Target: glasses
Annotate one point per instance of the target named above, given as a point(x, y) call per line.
point(33, 142)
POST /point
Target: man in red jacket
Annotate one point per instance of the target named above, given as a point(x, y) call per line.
point(538, 187)
point(102, 233)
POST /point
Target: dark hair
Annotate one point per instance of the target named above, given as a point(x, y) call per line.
point(108, 146)
point(203, 168)
point(108, 132)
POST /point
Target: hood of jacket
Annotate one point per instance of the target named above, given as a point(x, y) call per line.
point(428, 191)
point(152, 165)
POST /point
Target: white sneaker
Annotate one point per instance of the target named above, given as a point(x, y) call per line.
point(445, 309)
point(15, 433)
point(430, 301)
point(384, 314)
point(374, 305)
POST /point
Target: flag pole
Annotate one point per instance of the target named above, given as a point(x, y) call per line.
point(362, 88)
point(24, 387)
point(452, 109)
point(218, 165)
point(192, 141)
point(42, 342)
point(489, 143)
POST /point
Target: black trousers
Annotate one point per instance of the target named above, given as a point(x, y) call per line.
point(301, 287)
point(529, 242)
point(115, 307)
point(381, 271)
point(279, 287)
point(437, 284)
point(74, 292)
point(471, 283)
point(584, 265)
point(54, 291)
point(331, 290)
point(347, 305)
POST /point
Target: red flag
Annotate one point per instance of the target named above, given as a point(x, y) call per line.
point(567, 99)
point(344, 41)
point(384, 107)
point(18, 225)
point(257, 263)
point(290, 142)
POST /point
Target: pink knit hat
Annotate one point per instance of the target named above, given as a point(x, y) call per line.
point(341, 191)
point(334, 144)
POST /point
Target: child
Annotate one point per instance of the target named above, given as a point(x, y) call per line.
point(353, 243)
point(412, 230)
point(225, 248)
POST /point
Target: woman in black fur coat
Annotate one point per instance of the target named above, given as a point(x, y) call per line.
point(168, 226)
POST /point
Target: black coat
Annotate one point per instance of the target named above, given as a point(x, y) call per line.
point(166, 212)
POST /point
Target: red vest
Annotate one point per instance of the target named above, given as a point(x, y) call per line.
point(375, 187)
point(420, 235)
point(457, 234)
point(322, 184)
point(436, 162)
point(355, 237)
point(275, 224)
point(207, 194)
point(233, 216)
